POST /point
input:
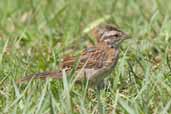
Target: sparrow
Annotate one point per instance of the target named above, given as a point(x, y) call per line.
point(95, 62)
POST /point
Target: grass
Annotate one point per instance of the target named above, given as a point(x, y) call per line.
point(36, 34)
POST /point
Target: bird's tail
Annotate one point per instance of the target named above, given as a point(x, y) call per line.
point(42, 75)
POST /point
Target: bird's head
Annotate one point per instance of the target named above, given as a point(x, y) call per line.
point(109, 34)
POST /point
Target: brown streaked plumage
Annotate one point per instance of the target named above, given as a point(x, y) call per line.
point(95, 62)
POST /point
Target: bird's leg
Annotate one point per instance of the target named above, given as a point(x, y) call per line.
point(100, 104)
point(103, 84)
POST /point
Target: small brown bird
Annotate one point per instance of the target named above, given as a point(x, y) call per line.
point(94, 63)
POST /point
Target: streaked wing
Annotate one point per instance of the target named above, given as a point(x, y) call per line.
point(90, 58)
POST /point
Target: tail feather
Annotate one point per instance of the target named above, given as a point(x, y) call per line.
point(42, 75)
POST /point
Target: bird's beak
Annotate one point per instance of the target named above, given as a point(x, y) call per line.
point(126, 36)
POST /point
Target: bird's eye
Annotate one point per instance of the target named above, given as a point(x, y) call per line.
point(116, 35)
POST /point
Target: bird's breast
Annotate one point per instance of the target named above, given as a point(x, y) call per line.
point(112, 57)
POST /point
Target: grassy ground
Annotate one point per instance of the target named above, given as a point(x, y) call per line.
point(36, 34)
